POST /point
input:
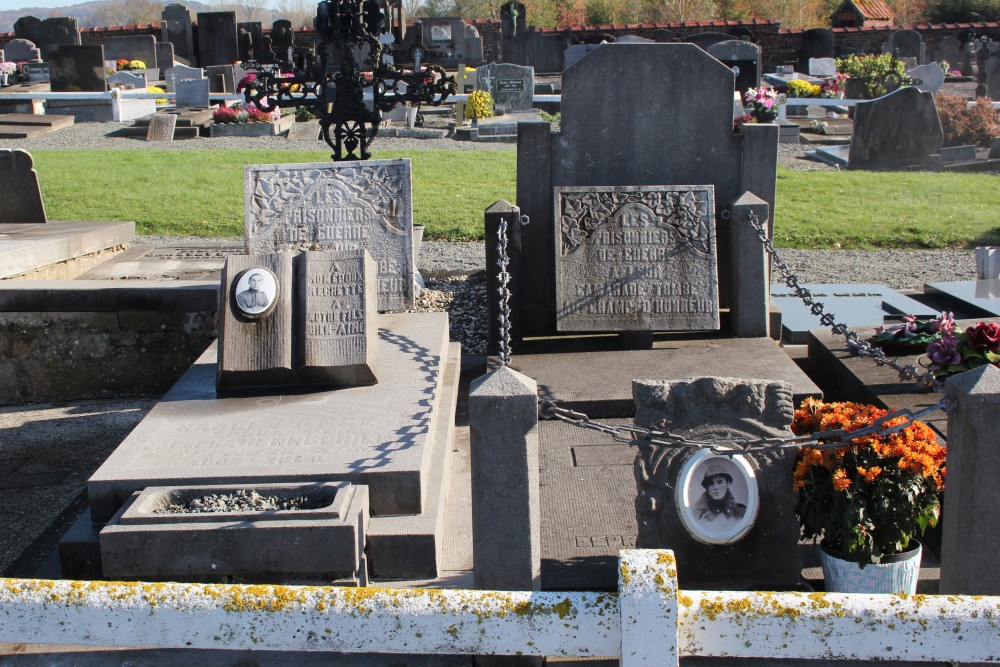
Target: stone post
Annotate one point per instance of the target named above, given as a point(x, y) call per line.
point(971, 521)
point(506, 531)
point(749, 312)
point(506, 522)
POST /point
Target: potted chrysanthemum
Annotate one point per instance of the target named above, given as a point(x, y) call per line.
point(867, 501)
point(478, 105)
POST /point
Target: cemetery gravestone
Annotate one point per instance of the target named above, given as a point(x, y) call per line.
point(342, 206)
point(511, 86)
point(192, 93)
point(282, 38)
point(19, 191)
point(816, 43)
point(949, 49)
point(176, 29)
point(181, 73)
point(898, 129)
point(743, 58)
point(664, 36)
point(134, 47)
point(703, 40)
point(907, 44)
point(57, 32)
point(20, 50)
point(747, 538)
point(993, 78)
point(222, 78)
point(75, 68)
point(217, 43)
point(126, 81)
point(164, 55)
point(251, 40)
point(578, 52)
point(928, 78)
point(636, 258)
point(161, 127)
point(633, 39)
point(822, 67)
point(28, 28)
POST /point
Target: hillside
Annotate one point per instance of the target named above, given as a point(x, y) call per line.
point(95, 13)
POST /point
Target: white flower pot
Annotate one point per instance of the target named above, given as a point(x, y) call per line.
point(895, 574)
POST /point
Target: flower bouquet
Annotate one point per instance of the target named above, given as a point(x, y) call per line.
point(761, 103)
point(833, 87)
point(802, 88)
point(870, 498)
point(913, 335)
point(959, 350)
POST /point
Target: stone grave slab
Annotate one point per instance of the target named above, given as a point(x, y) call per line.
point(835, 156)
point(511, 86)
point(217, 38)
point(20, 50)
point(636, 258)
point(982, 295)
point(126, 80)
point(26, 247)
point(898, 129)
point(743, 58)
point(161, 127)
point(176, 28)
point(928, 78)
point(854, 305)
point(22, 131)
point(321, 542)
point(378, 435)
point(304, 131)
point(57, 31)
point(132, 47)
point(164, 55)
point(584, 375)
point(221, 78)
point(340, 206)
point(188, 261)
point(823, 67)
point(181, 73)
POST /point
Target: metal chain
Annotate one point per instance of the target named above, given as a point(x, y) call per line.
point(859, 347)
point(728, 446)
point(503, 260)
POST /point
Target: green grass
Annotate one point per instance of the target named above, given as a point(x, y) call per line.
point(201, 193)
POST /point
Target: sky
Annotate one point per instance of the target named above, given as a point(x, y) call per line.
point(18, 4)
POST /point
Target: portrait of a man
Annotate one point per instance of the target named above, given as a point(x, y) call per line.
point(256, 290)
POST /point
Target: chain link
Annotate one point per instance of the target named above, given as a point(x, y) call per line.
point(728, 446)
point(861, 348)
point(503, 261)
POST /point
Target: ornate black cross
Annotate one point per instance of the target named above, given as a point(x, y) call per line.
point(332, 82)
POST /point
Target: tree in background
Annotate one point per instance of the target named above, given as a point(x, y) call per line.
point(680, 11)
point(246, 10)
point(960, 11)
point(299, 12)
point(127, 12)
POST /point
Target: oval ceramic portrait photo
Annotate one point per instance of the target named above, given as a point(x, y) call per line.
point(717, 497)
point(255, 292)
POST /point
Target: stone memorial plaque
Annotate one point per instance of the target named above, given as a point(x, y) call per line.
point(822, 67)
point(192, 93)
point(161, 127)
point(178, 73)
point(339, 329)
point(636, 258)
point(126, 80)
point(340, 206)
point(75, 69)
point(511, 86)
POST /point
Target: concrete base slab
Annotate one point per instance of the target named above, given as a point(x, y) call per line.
point(27, 247)
point(101, 110)
point(22, 131)
point(183, 261)
point(584, 374)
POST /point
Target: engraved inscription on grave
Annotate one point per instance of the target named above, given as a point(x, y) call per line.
point(343, 206)
point(636, 258)
point(510, 85)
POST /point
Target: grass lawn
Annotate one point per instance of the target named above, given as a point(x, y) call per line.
point(201, 193)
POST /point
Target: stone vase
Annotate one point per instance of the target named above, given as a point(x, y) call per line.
point(894, 575)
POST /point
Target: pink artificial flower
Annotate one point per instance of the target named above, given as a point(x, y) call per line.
point(944, 324)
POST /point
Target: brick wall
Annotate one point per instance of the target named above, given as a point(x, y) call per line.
point(778, 46)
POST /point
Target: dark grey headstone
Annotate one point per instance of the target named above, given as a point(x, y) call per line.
point(816, 43)
point(511, 86)
point(929, 78)
point(20, 50)
point(75, 68)
point(224, 75)
point(250, 40)
point(636, 258)
point(161, 127)
point(743, 58)
point(164, 55)
point(27, 27)
point(993, 78)
point(949, 49)
point(578, 52)
point(22, 199)
point(133, 47)
point(633, 39)
point(217, 43)
point(282, 36)
point(176, 29)
point(340, 206)
point(192, 93)
point(750, 540)
point(703, 40)
point(338, 299)
point(900, 127)
point(37, 71)
point(60, 31)
point(665, 36)
point(907, 44)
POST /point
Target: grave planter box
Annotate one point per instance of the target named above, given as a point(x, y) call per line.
point(252, 129)
point(143, 542)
